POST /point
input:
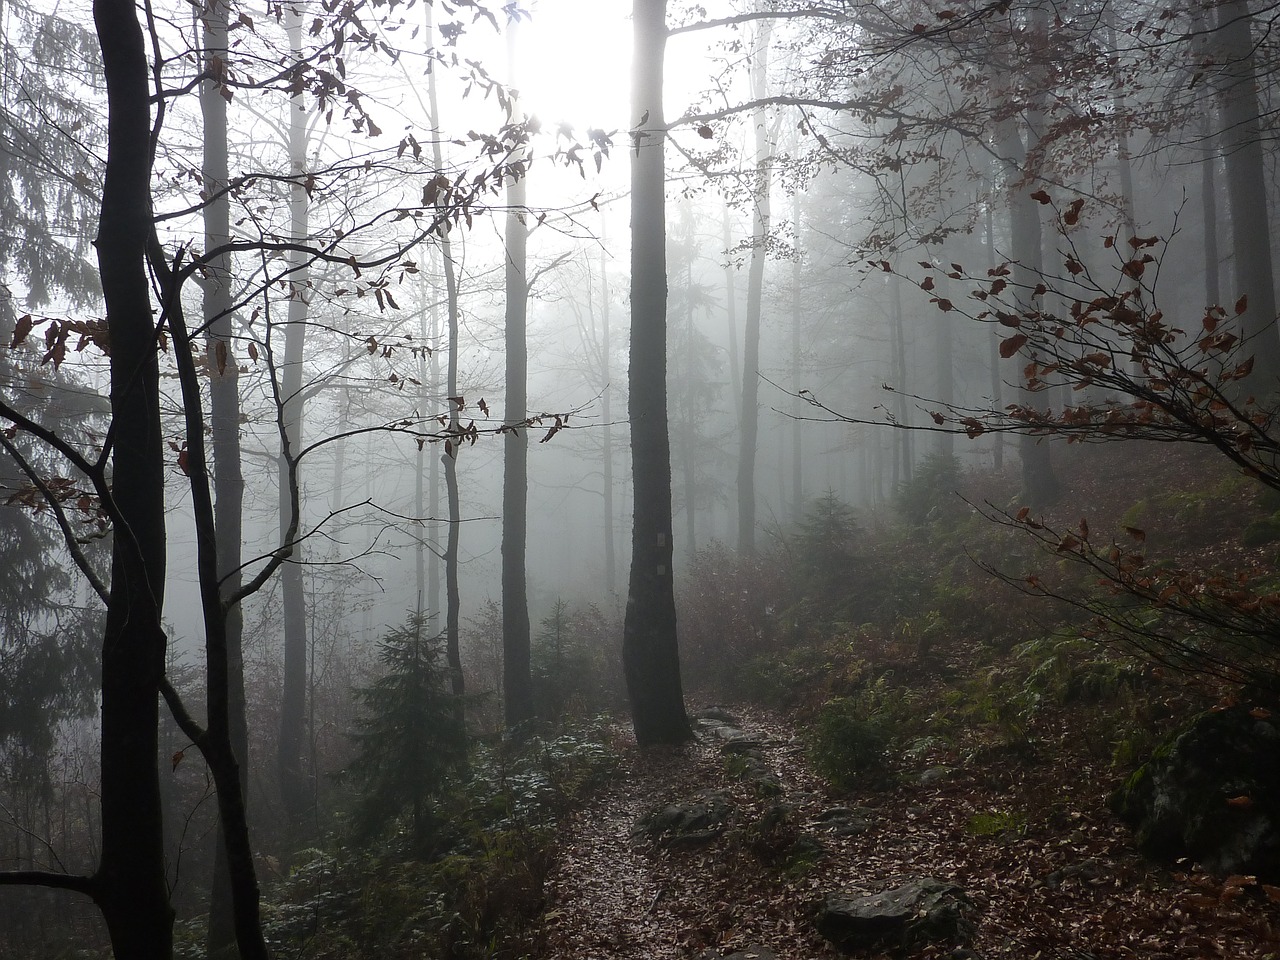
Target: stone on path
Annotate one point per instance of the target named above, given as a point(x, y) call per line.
point(697, 820)
point(921, 911)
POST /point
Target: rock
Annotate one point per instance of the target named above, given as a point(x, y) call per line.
point(752, 769)
point(843, 821)
point(921, 911)
point(1211, 792)
point(1088, 870)
point(698, 820)
point(752, 952)
point(805, 852)
point(718, 714)
point(934, 775)
point(740, 743)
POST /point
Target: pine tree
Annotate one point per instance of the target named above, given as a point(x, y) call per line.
point(410, 736)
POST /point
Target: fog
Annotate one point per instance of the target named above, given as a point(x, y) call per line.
point(900, 242)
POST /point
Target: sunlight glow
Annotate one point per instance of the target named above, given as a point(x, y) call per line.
point(574, 62)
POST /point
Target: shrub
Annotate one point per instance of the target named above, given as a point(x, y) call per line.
point(845, 743)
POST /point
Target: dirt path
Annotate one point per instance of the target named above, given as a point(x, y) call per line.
point(1050, 870)
point(613, 897)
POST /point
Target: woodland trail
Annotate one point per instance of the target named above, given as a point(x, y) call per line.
point(615, 897)
point(1051, 872)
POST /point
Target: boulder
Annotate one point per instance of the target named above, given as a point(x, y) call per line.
point(697, 820)
point(1211, 792)
point(752, 952)
point(843, 821)
point(719, 714)
point(921, 911)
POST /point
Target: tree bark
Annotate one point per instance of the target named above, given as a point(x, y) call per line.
point(453, 600)
point(650, 650)
point(1241, 142)
point(294, 790)
point(130, 884)
point(224, 427)
point(1039, 484)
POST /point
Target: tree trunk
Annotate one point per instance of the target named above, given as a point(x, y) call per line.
point(433, 479)
point(453, 602)
point(606, 434)
point(731, 316)
point(797, 440)
point(906, 437)
point(224, 428)
point(944, 371)
point(130, 884)
point(1039, 484)
point(993, 346)
point(1209, 209)
point(1241, 142)
point(750, 413)
point(650, 650)
point(517, 684)
point(688, 419)
point(293, 698)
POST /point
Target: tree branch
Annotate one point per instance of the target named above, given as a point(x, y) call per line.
point(47, 878)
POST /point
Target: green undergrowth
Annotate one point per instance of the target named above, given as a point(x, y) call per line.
point(1010, 706)
point(473, 896)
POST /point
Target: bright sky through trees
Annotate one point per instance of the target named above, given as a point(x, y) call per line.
point(574, 62)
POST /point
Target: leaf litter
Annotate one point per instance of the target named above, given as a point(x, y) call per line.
point(1031, 840)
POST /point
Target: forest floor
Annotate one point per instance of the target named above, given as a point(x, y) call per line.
point(1029, 838)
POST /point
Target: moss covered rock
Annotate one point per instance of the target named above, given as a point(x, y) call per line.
point(1211, 792)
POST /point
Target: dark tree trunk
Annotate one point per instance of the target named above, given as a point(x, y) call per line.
point(1241, 143)
point(650, 650)
point(130, 884)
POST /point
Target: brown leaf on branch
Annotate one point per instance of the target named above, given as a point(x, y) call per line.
point(21, 330)
point(1011, 345)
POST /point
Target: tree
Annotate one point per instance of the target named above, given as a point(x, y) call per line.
point(650, 652)
point(749, 420)
point(224, 428)
point(517, 687)
point(290, 747)
point(410, 736)
point(1242, 150)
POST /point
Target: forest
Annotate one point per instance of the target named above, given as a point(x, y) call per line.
point(599, 479)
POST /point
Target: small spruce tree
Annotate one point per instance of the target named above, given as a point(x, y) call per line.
point(410, 736)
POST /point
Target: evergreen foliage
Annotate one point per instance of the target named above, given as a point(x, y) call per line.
point(410, 737)
point(930, 494)
point(570, 657)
